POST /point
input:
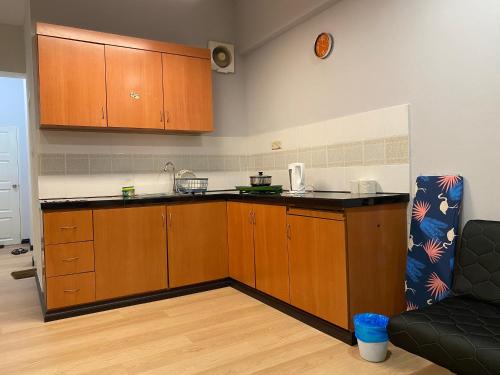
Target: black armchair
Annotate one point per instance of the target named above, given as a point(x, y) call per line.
point(461, 332)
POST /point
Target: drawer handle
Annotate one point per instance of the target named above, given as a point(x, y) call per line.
point(70, 259)
point(71, 227)
point(71, 290)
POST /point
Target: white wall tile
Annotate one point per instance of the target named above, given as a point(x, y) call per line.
point(114, 158)
point(396, 120)
point(319, 157)
point(374, 152)
point(353, 153)
point(305, 156)
point(77, 164)
point(100, 164)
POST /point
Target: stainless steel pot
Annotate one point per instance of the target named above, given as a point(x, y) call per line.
point(260, 180)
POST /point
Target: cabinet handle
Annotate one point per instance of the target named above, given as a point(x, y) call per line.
point(168, 116)
point(71, 290)
point(163, 220)
point(161, 116)
point(70, 259)
point(289, 231)
point(250, 219)
point(69, 227)
point(170, 218)
point(254, 218)
point(102, 113)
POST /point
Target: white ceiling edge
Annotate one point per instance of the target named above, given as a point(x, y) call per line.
point(288, 26)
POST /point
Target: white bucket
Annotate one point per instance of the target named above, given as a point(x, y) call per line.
point(373, 351)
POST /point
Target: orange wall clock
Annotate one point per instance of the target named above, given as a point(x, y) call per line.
point(323, 46)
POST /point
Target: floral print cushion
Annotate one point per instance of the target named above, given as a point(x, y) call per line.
point(432, 242)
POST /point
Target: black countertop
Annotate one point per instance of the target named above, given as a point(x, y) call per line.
point(319, 199)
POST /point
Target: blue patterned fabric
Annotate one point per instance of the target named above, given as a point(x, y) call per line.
point(433, 233)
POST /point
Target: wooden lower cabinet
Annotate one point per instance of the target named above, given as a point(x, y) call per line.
point(67, 226)
point(331, 264)
point(130, 251)
point(318, 267)
point(197, 243)
point(70, 290)
point(258, 255)
point(271, 254)
point(240, 240)
point(70, 258)
point(377, 240)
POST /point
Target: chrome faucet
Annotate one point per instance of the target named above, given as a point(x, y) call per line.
point(170, 167)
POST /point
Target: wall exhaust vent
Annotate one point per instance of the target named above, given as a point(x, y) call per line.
point(222, 56)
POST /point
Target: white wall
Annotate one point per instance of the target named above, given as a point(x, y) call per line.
point(12, 49)
point(179, 21)
point(33, 135)
point(442, 57)
point(259, 21)
point(13, 113)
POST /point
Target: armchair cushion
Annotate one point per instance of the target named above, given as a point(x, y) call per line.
point(459, 333)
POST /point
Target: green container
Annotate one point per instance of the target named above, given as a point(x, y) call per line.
point(128, 191)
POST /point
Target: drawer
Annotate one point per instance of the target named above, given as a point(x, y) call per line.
point(63, 291)
point(319, 214)
point(70, 258)
point(67, 226)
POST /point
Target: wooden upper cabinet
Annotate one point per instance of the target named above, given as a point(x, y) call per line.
point(187, 85)
point(318, 267)
point(134, 87)
point(271, 255)
point(94, 79)
point(241, 242)
point(72, 83)
point(197, 243)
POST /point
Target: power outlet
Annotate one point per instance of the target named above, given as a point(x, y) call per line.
point(276, 145)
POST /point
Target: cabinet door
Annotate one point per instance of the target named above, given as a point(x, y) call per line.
point(271, 255)
point(197, 243)
point(130, 251)
point(187, 84)
point(241, 242)
point(318, 275)
point(71, 82)
point(134, 87)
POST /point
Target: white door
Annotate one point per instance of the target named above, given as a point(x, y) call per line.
point(10, 223)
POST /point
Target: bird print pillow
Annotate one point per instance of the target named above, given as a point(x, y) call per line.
point(433, 234)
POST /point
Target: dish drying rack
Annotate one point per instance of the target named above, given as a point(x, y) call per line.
point(191, 185)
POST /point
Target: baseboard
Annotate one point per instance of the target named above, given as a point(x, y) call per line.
point(305, 317)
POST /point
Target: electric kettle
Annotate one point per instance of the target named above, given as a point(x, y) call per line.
point(296, 171)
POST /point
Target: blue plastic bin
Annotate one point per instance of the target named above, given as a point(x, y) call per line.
point(371, 332)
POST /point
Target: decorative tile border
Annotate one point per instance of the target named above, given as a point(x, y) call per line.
point(383, 151)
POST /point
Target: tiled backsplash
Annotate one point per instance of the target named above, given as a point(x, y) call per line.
point(384, 151)
point(371, 145)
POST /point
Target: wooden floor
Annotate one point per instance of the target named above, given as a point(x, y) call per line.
point(217, 332)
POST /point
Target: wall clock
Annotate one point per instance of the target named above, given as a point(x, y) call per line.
point(324, 45)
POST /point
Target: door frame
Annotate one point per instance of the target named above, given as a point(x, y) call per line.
point(23, 76)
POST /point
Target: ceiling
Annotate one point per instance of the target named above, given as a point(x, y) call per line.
point(12, 12)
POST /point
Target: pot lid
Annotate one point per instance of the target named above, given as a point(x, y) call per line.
point(260, 175)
